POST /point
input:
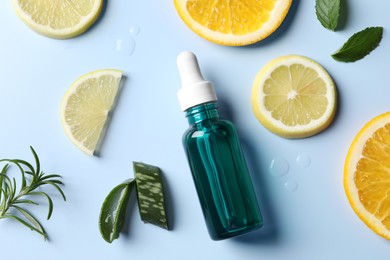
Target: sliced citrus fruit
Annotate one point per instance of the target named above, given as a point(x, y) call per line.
point(57, 18)
point(294, 97)
point(367, 175)
point(233, 22)
point(86, 107)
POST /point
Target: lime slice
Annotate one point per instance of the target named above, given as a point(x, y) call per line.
point(294, 97)
point(58, 18)
point(86, 107)
point(113, 211)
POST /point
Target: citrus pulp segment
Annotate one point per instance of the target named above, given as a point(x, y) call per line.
point(294, 97)
point(86, 107)
point(367, 175)
point(233, 22)
point(57, 18)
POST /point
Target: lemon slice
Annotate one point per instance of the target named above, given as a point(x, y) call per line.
point(60, 19)
point(233, 22)
point(294, 97)
point(367, 175)
point(86, 107)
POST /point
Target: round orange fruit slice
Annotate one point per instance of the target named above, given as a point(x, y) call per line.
point(367, 175)
point(233, 22)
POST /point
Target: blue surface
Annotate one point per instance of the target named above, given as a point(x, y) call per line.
point(313, 222)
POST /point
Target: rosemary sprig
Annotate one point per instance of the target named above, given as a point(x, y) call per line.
point(10, 199)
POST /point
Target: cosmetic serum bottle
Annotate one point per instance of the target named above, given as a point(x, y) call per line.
point(215, 157)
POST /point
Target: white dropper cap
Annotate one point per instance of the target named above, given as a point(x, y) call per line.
point(195, 90)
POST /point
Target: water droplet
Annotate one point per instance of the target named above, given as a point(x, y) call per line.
point(278, 167)
point(291, 186)
point(126, 46)
point(135, 30)
point(303, 160)
point(66, 47)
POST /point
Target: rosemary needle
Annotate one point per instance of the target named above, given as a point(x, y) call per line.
point(31, 179)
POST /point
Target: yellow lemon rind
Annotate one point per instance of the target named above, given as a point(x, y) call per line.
point(93, 74)
point(277, 127)
point(231, 39)
point(66, 33)
point(351, 161)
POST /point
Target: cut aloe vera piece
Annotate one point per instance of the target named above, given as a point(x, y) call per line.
point(113, 211)
point(150, 193)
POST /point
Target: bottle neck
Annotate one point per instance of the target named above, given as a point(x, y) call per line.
point(203, 112)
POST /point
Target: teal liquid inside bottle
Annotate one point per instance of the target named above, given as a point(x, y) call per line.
point(220, 174)
point(215, 157)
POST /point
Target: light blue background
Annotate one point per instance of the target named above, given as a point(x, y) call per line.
point(314, 222)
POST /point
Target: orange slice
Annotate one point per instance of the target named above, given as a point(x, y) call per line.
point(367, 175)
point(233, 22)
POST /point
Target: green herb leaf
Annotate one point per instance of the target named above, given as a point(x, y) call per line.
point(113, 211)
point(150, 193)
point(30, 226)
point(50, 176)
point(22, 162)
point(26, 202)
point(49, 200)
point(359, 45)
point(54, 183)
point(32, 220)
point(10, 198)
point(37, 164)
point(328, 13)
point(2, 174)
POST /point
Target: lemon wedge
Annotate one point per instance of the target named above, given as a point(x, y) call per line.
point(294, 97)
point(58, 18)
point(238, 22)
point(86, 107)
point(367, 175)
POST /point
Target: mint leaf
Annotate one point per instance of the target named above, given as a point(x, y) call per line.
point(359, 45)
point(328, 13)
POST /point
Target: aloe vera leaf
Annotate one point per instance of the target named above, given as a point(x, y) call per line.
point(113, 211)
point(150, 194)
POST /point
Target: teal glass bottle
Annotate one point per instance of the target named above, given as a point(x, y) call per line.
point(216, 160)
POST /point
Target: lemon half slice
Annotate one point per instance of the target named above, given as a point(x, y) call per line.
point(58, 18)
point(294, 97)
point(233, 22)
point(86, 107)
point(367, 175)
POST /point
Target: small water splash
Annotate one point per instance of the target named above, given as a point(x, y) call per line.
point(135, 30)
point(125, 46)
point(291, 186)
point(303, 160)
point(279, 167)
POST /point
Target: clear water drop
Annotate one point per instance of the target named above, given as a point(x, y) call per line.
point(135, 30)
point(303, 160)
point(66, 47)
point(291, 186)
point(279, 167)
point(125, 46)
